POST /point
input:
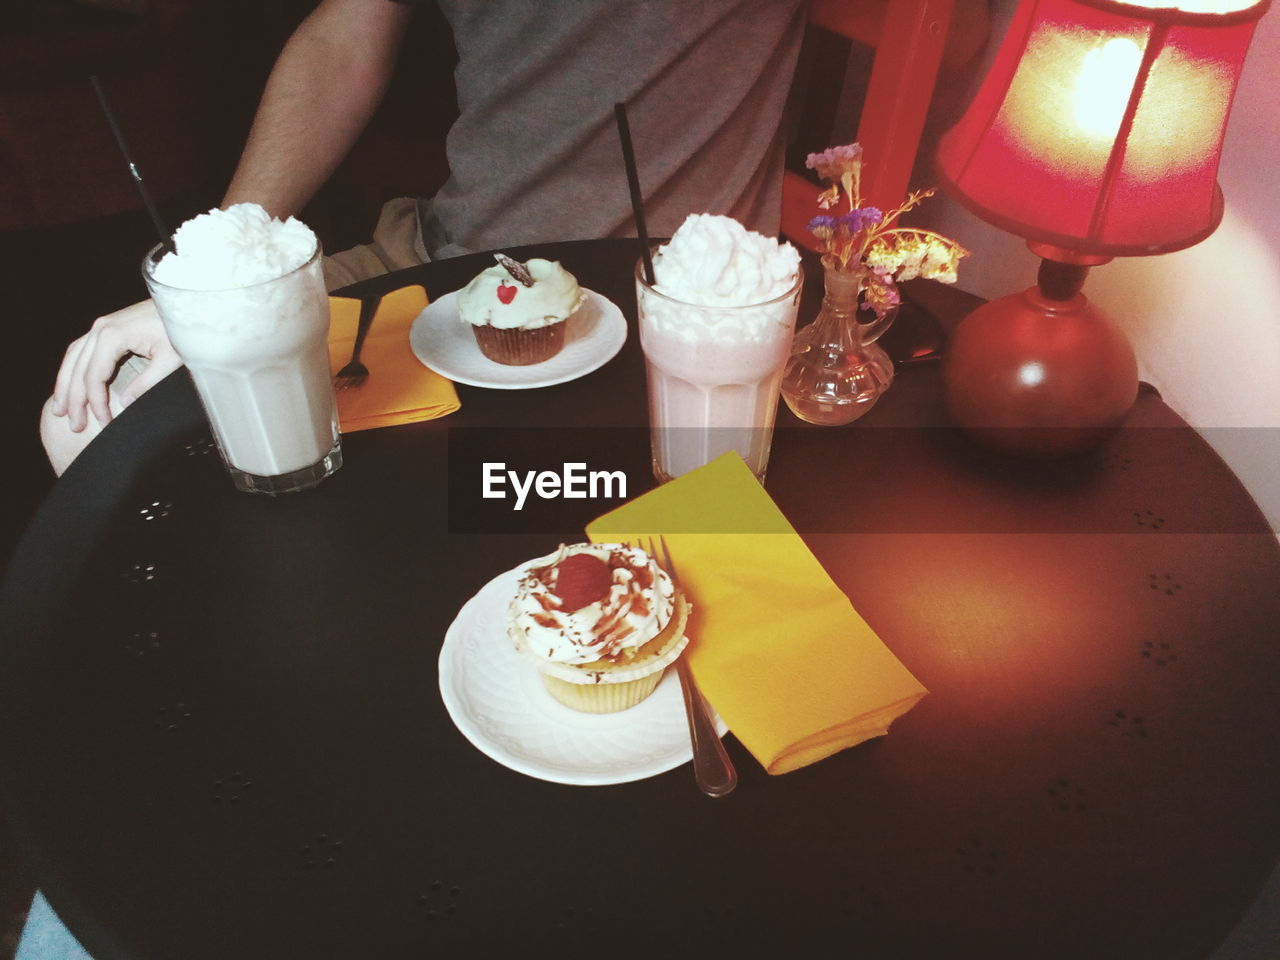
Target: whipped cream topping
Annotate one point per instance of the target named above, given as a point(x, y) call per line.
point(717, 281)
point(715, 261)
point(495, 298)
point(632, 606)
point(236, 247)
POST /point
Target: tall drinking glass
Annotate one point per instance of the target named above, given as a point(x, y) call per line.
point(260, 361)
point(713, 374)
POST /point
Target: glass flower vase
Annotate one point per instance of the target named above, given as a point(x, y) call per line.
point(836, 371)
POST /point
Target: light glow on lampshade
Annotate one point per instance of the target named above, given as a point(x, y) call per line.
point(1099, 126)
point(1088, 81)
point(1107, 72)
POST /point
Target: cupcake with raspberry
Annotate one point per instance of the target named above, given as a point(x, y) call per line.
point(518, 311)
point(601, 621)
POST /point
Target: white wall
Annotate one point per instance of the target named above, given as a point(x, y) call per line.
point(1204, 322)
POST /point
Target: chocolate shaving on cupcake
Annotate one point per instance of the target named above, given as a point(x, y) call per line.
point(517, 269)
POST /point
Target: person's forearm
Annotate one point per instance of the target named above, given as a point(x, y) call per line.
point(325, 86)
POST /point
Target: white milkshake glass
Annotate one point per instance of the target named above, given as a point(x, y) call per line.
point(259, 357)
point(713, 375)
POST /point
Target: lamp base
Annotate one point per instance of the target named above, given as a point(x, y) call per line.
point(1033, 376)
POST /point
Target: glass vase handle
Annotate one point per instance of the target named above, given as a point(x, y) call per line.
point(872, 331)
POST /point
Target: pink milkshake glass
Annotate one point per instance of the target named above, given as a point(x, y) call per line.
point(713, 374)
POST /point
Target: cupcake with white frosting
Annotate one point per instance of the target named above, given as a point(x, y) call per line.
point(602, 622)
point(518, 311)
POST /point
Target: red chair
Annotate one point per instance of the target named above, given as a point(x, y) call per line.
point(914, 41)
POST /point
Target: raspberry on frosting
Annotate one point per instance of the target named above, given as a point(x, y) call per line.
point(581, 580)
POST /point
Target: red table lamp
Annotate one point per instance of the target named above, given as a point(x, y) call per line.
point(1095, 134)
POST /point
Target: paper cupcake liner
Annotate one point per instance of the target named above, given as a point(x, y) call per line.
point(520, 347)
point(601, 697)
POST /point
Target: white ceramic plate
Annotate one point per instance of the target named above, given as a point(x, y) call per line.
point(446, 345)
point(496, 699)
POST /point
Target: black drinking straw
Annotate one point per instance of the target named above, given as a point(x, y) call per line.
point(148, 201)
point(633, 180)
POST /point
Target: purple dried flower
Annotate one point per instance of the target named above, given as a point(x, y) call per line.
point(834, 162)
point(861, 218)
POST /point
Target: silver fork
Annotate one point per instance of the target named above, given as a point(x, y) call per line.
point(712, 769)
point(355, 372)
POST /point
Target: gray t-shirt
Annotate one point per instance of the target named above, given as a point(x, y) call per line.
point(534, 155)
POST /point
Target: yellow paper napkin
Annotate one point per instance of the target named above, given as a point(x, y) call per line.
point(399, 389)
point(776, 647)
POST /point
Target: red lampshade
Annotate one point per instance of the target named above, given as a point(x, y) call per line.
point(1099, 126)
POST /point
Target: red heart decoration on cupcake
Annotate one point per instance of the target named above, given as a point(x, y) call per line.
point(506, 294)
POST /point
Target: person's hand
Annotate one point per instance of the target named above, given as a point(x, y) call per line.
point(90, 364)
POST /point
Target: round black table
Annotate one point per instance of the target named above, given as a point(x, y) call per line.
point(222, 734)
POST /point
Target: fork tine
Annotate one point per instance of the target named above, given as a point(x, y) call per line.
point(666, 556)
point(664, 563)
point(653, 550)
point(354, 373)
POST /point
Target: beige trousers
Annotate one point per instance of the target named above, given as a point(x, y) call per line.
point(397, 243)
